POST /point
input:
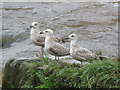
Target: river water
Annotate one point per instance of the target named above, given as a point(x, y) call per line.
point(96, 24)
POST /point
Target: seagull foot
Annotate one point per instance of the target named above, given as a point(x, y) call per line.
point(39, 56)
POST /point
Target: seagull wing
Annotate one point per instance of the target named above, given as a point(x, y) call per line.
point(85, 53)
point(40, 39)
point(57, 39)
point(59, 50)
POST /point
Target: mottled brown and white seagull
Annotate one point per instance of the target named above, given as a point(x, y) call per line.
point(39, 39)
point(52, 47)
point(78, 52)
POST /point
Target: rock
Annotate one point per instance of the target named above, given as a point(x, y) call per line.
point(7, 40)
point(46, 73)
point(15, 72)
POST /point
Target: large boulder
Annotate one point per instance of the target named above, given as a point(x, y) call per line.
point(47, 73)
point(15, 72)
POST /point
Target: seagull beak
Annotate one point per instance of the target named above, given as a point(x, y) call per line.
point(66, 39)
point(31, 26)
point(41, 33)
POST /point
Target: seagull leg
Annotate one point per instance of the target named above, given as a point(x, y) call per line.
point(42, 52)
point(37, 55)
point(55, 57)
point(81, 63)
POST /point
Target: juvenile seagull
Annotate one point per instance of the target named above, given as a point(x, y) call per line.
point(53, 47)
point(39, 39)
point(80, 53)
point(36, 38)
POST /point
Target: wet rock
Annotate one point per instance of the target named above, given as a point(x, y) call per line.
point(21, 37)
point(7, 40)
point(15, 72)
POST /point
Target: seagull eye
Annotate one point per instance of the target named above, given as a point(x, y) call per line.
point(72, 36)
point(46, 31)
point(35, 24)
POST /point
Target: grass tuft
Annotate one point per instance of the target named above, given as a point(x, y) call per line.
point(98, 74)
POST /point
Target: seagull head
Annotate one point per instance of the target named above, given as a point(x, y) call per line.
point(47, 32)
point(34, 25)
point(72, 37)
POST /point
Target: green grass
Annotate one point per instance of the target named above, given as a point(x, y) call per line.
point(98, 74)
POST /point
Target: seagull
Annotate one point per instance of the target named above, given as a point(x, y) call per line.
point(52, 47)
point(79, 53)
point(36, 38)
point(39, 39)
